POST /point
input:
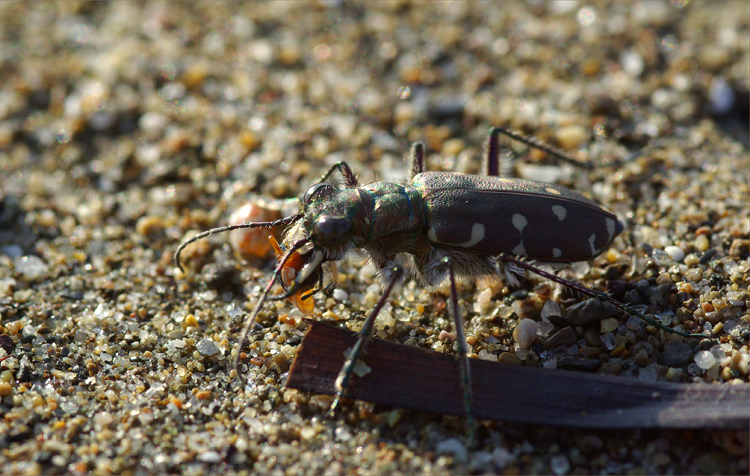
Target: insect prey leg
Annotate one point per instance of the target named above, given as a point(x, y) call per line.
point(601, 296)
point(350, 180)
point(537, 144)
point(417, 159)
point(342, 381)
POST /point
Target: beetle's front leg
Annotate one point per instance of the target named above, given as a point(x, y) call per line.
point(342, 381)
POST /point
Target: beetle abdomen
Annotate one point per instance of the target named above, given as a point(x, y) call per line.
point(490, 215)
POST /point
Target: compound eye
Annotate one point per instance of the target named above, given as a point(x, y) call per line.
point(331, 231)
point(315, 190)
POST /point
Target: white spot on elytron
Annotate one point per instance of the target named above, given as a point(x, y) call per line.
point(610, 228)
point(592, 238)
point(556, 252)
point(560, 211)
point(519, 221)
point(477, 235)
point(553, 191)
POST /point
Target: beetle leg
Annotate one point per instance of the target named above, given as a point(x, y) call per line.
point(342, 381)
point(493, 153)
point(417, 159)
point(463, 352)
point(532, 142)
point(350, 180)
point(599, 295)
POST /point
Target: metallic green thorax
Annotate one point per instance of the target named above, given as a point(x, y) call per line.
point(382, 214)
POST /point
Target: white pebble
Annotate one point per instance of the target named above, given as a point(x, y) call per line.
point(525, 333)
point(705, 359)
point(210, 457)
point(31, 267)
point(340, 294)
point(675, 252)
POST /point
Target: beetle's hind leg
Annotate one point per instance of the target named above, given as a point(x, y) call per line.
point(463, 352)
point(599, 295)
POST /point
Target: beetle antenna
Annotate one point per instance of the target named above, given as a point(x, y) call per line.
point(264, 297)
point(537, 144)
point(601, 296)
point(215, 231)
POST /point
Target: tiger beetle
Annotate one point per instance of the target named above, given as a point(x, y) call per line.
point(441, 225)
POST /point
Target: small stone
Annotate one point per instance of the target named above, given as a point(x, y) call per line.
point(676, 354)
point(588, 312)
point(701, 243)
point(203, 394)
point(149, 224)
point(7, 344)
point(565, 336)
point(525, 333)
point(571, 137)
point(31, 267)
point(191, 320)
point(282, 361)
point(559, 465)
point(5, 389)
point(578, 363)
point(705, 359)
point(509, 358)
point(207, 348)
point(675, 252)
point(340, 294)
point(453, 447)
point(641, 358)
point(609, 325)
point(210, 457)
point(589, 351)
point(550, 308)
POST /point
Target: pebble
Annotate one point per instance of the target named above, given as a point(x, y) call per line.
point(525, 333)
point(31, 267)
point(676, 354)
point(589, 312)
point(207, 348)
point(705, 359)
point(608, 325)
point(454, 447)
point(675, 252)
point(565, 337)
point(572, 137)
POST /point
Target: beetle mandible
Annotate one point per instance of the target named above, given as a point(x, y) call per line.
point(441, 225)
